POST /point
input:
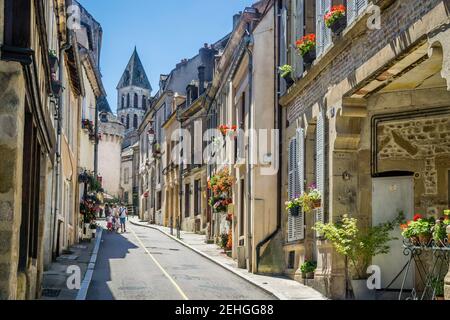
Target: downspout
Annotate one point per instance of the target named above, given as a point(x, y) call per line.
point(59, 119)
point(249, 42)
point(96, 141)
point(277, 125)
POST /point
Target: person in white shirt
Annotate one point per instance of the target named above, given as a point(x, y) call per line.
point(123, 213)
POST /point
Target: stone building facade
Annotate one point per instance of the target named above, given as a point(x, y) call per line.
point(369, 121)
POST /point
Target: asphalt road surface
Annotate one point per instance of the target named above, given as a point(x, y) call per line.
point(144, 264)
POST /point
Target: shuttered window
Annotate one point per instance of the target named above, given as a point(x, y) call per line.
point(323, 34)
point(297, 31)
point(320, 164)
point(296, 225)
point(355, 8)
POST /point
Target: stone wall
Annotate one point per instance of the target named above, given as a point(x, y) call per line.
point(11, 144)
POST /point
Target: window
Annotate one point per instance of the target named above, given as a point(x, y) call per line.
point(123, 102)
point(323, 33)
point(126, 196)
point(136, 101)
point(296, 178)
point(126, 176)
point(144, 102)
point(128, 100)
point(123, 120)
point(128, 121)
point(355, 8)
point(135, 121)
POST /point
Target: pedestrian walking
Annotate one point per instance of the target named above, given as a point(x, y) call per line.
point(109, 223)
point(123, 218)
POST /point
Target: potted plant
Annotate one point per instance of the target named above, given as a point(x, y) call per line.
point(306, 47)
point(439, 288)
point(419, 230)
point(308, 269)
point(440, 232)
point(223, 241)
point(336, 19)
point(286, 73)
point(358, 246)
point(315, 197)
point(294, 206)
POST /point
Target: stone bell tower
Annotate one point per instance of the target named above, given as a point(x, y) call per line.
point(134, 93)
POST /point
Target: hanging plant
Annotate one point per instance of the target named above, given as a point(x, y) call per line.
point(221, 186)
point(335, 19)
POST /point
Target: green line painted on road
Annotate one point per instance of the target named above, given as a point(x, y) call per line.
point(160, 267)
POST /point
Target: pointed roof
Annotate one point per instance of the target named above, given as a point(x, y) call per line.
point(134, 74)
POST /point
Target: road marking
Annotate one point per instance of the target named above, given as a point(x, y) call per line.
point(160, 267)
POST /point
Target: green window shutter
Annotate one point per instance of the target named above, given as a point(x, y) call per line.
point(320, 164)
point(300, 220)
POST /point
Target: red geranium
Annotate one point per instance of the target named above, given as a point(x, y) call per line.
point(334, 14)
point(306, 43)
point(417, 217)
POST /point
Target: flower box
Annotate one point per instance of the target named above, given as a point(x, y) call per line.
point(306, 46)
point(336, 19)
point(309, 57)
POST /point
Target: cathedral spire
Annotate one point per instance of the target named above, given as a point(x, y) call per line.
point(134, 74)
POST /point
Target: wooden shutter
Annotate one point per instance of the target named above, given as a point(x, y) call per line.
point(355, 8)
point(298, 31)
point(323, 33)
point(320, 164)
point(300, 161)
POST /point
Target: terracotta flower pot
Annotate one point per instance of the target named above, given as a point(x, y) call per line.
point(316, 204)
point(415, 241)
point(425, 239)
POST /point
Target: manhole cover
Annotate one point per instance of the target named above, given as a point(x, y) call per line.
point(51, 293)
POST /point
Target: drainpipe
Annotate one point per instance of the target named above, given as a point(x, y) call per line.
point(249, 167)
point(59, 112)
point(277, 125)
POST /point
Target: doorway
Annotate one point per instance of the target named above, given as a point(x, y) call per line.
point(390, 196)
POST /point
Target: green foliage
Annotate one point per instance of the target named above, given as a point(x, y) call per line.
point(439, 286)
point(286, 70)
point(308, 267)
point(440, 231)
point(419, 227)
point(223, 241)
point(359, 245)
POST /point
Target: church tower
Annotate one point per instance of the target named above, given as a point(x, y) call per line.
point(134, 94)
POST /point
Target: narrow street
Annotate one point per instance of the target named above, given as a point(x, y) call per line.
point(144, 264)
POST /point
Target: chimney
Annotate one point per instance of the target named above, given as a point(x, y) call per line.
point(236, 19)
point(201, 80)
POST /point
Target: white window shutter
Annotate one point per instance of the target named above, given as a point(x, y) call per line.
point(298, 32)
point(351, 10)
point(355, 8)
point(326, 33)
point(319, 29)
point(320, 164)
point(300, 220)
point(323, 36)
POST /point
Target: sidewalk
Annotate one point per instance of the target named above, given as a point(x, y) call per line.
point(54, 282)
point(282, 288)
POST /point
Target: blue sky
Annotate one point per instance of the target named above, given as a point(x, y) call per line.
point(164, 31)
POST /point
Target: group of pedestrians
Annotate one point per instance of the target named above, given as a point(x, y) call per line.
point(116, 218)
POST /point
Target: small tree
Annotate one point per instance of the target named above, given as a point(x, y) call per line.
point(359, 246)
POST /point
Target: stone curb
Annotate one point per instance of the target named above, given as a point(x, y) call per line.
point(82, 293)
point(276, 295)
